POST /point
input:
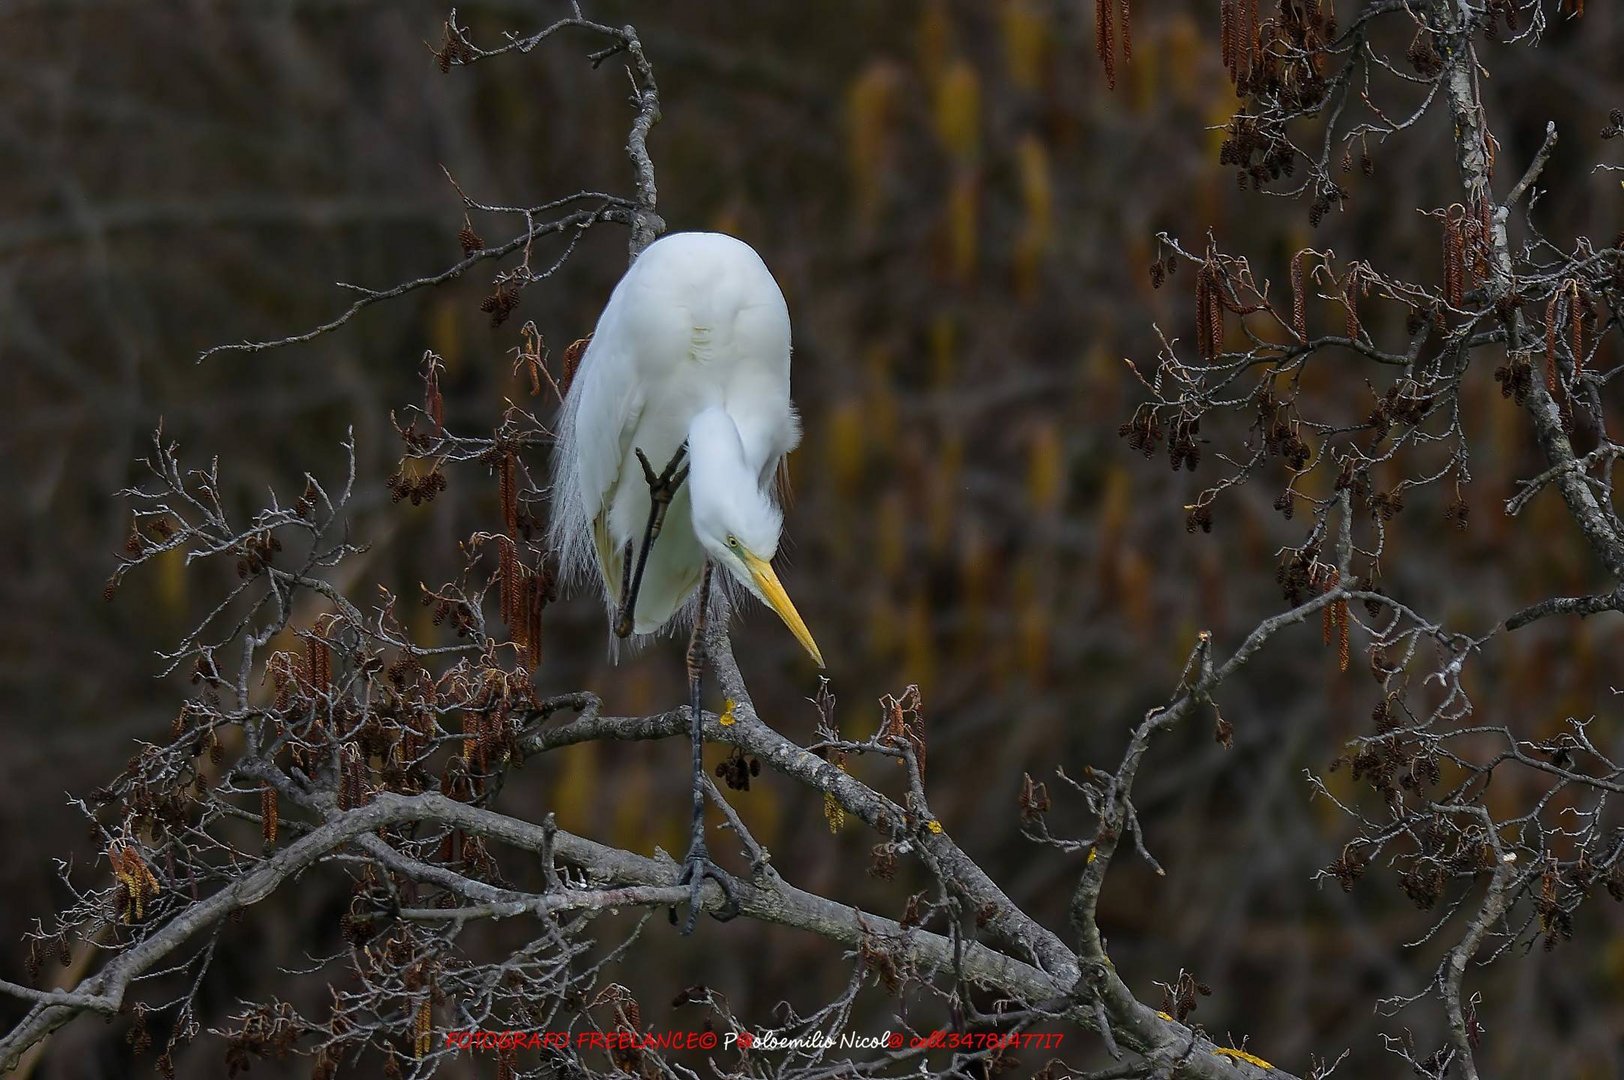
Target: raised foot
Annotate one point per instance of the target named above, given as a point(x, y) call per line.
point(662, 486)
point(697, 868)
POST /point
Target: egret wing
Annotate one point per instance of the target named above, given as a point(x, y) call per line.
point(599, 417)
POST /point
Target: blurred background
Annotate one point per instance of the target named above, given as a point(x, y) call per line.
point(962, 216)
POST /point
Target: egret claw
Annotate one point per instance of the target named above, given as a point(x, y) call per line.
point(696, 870)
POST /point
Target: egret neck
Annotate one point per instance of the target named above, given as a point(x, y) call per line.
point(734, 519)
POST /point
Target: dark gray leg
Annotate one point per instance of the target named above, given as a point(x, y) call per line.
point(697, 867)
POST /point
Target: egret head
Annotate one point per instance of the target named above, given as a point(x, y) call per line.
point(735, 521)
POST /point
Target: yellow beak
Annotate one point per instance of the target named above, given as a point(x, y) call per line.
point(778, 600)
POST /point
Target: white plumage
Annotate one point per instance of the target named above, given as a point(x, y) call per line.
point(693, 346)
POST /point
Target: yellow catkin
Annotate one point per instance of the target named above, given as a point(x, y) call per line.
point(963, 224)
point(130, 870)
point(935, 38)
point(834, 813)
point(871, 106)
point(1046, 469)
point(1027, 38)
point(1037, 198)
point(958, 111)
point(423, 1032)
point(845, 433)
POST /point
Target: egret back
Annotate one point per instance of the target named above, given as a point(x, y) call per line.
point(696, 323)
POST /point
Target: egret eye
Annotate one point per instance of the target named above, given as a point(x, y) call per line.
point(732, 541)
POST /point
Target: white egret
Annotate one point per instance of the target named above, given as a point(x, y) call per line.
point(689, 365)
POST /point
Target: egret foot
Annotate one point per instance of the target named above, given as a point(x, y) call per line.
point(697, 868)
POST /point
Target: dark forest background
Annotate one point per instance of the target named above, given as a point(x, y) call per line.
point(962, 216)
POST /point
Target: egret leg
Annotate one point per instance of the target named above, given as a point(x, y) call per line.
point(697, 867)
point(662, 488)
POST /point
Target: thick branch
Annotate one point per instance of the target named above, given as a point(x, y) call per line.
point(1084, 982)
point(627, 879)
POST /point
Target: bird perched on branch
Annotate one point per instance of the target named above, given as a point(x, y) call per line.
point(688, 366)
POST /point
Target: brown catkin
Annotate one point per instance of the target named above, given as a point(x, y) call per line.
point(495, 726)
point(319, 662)
point(1342, 624)
point(1328, 612)
point(1209, 312)
point(1238, 39)
point(508, 575)
point(1127, 30)
point(1252, 40)
point(433, 399)
point(1299, 302)
point(1103, 43)
point(351, 778)
point(536, 595)
point(572, 361)
point(1552, 310)
point(1454, 260)
point(269, 816)
point(508, 491)
point(1576, 327)
point(470, 739)
point(1350, 302)
point(359, 765)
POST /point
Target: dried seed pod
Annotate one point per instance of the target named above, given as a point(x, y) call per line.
point(433, 399)
point(470, 240)
point(500, 303)
point(1034, 799)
